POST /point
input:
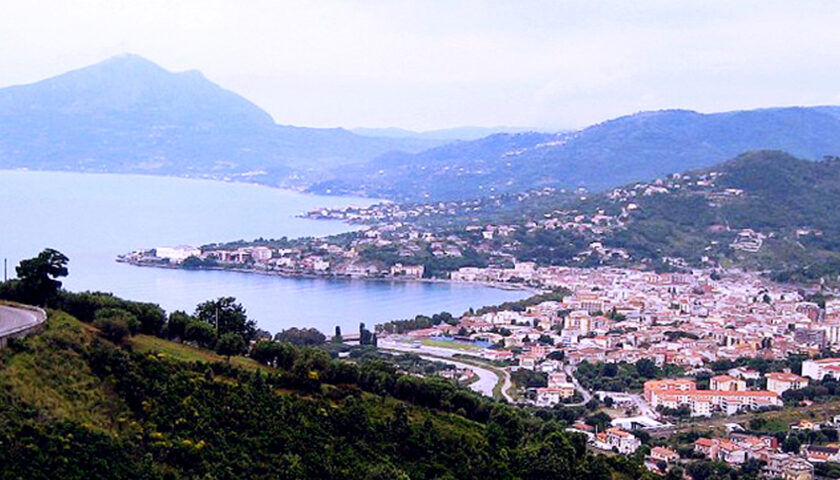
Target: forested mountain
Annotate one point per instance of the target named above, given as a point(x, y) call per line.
point(630, 148)
point(127, 114)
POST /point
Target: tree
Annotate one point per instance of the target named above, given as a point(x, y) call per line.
point(791, 444)
point(126, 317)
point(365, 335)
point(301, 336)
point(38, 276)
point(600, 420)
point(177, 325)
point(201, 333)
point(227, 316)
point(646, 368)
point(230, 344)
point(337, 337)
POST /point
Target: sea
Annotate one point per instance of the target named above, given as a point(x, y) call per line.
point(92, 218)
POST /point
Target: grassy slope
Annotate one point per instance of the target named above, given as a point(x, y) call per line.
point(186, 353)
point(57, 381)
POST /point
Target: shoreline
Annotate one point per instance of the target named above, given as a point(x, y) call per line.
point(304, 275)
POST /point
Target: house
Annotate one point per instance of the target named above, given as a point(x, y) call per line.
point(549, 396)
point(662, 454)
point(821, 454)
point(408, 271)
point(788, 467)
point(745, 373)
point(721, 449)
point(558, 389)
point(498, 355)
point(781, 382)
point(727, 383)
point(706, 446)
point(261, 254)
point(616, 438)
point(527, 361)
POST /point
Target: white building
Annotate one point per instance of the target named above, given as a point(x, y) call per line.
point(818, 369)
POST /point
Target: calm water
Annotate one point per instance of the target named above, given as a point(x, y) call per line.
point(92, 218)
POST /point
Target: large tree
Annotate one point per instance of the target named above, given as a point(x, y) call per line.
point(228, 317)
point(38, 276)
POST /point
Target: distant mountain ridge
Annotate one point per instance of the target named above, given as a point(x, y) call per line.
point(612, 153)
point(127, 114)
point(464, 133)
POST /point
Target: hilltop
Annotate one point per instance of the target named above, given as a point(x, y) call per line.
point(630, 148)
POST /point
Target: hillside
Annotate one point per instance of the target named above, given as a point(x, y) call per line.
point(74, 406)
point(765, 210)
point(127, 114)
point(631, 148)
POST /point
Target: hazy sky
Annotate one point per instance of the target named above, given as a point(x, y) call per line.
point(432, 64)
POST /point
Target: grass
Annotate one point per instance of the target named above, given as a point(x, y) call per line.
point(53, 377)
point(430, 342)
point(186, 353)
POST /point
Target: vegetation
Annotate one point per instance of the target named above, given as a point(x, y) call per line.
point(76, 406)
point(622, 377)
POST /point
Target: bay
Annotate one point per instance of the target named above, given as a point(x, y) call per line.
point(92, 218)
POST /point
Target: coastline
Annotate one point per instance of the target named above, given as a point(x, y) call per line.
point(305, 275)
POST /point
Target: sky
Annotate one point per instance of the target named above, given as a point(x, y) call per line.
point(436, 64)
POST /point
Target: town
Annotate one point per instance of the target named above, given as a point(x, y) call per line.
point(693, 332)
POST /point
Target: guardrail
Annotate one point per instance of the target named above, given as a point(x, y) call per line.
point(24, 330)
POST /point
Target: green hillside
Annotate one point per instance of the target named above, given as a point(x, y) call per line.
point(788, 204)
point(73, 405)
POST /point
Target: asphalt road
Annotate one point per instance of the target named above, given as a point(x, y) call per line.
point(587, 395)
point(487, 378)
point(15, 319)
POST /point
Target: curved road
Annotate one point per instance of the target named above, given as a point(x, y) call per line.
point(13, 320)
point(587, 395)
point(487, 378)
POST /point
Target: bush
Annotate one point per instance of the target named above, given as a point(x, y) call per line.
point(126, 317)
point(114, 329)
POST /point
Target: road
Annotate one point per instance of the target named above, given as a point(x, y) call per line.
point(12, 320)
point(487, 378)
point(587, 396)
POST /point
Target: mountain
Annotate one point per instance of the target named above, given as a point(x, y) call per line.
point(127, 114)
point(446, 134)
point(626, 149)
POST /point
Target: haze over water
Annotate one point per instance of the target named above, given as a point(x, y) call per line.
point(94, 217)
